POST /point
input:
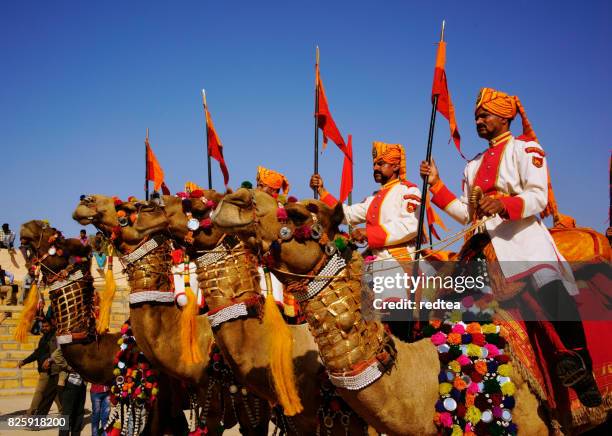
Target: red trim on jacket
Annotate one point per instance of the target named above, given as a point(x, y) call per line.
point(514, 207)
point(329, 199)
point(442, 196)
point(377, 235)
point(488, 171)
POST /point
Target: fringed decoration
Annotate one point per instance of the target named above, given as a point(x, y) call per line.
point(551, 206)
point(588, 415)
point(106, 299)
point(281, 354)
point(27, 314)
point(190, 352)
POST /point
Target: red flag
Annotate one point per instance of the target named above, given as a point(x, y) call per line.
point(324, 119)
point(165, 189)
point(215, 148)
point(154, 170)
point(440, 88)
point(433, 218)
point(346, 185)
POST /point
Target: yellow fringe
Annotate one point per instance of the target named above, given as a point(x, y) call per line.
point(190, 351)
point(106, 299)
point(27, 314)
point(592, 415)
point(281, 357)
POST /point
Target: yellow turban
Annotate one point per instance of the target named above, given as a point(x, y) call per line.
point(272, 179)
point(505, 106)
point(393, 154)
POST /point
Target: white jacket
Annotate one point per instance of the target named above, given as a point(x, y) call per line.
point(523, 245)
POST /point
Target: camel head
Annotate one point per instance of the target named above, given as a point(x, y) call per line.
point(98, 210)
point(138, 221)
point(48, 246)
point(129, 223)
point(294, 236)
point(189, 218)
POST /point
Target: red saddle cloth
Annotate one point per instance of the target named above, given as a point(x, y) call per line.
point(531, 346)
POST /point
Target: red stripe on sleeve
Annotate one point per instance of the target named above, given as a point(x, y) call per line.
point(514, 207)
point(442, 196)
point(329, 199)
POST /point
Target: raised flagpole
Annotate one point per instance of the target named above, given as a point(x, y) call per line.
point(432, 124)
point(147, 166)
point(316, 122)
point(206, 134)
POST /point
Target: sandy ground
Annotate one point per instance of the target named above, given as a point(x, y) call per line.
point(19, 404)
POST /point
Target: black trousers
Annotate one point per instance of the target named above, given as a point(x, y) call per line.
point(73, 405)
point(561, 311)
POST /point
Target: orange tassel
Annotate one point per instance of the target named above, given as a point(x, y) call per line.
point(106, 299)
point(27, 314)
point(190, 351)
point(281, 354)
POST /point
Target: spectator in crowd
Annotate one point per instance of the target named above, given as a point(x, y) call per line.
point(7, 237)
point(73, 396)
point(48, 372)
point(100, 407)
point(83, 237)
point(6, 277)
point(99, 247)
point(8, 291)
point(28, 279)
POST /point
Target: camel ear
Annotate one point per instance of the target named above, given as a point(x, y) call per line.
point(337, 215)
point(128, 206)
point(297, 212)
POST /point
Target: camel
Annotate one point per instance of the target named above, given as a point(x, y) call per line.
point(401, 399)
point(245, 341)
point(91, 355)
point(153, 318)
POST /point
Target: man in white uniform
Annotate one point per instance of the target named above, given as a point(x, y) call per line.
point(390, 215)
point(513, 176)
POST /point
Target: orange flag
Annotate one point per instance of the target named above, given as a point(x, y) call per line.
point(433, 218)
point(154, 170)
point(215, 148)
point(440, 88)
point(346, 185)
point(326, 123)
point(324, 119)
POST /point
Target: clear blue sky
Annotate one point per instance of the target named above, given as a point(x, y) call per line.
point(81, 82)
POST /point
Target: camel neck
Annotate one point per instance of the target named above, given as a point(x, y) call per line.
point(229, 278)
point(152, 271)
point(347, 341)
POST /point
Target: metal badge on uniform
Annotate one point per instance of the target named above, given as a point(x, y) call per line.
point(193, 224)
point(537, 161)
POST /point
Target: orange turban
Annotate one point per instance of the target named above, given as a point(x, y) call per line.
point(505, 106)
point(272, 179)
point(393, 154)
point(190, 187)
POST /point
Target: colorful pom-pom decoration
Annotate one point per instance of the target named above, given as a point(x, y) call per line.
point(476, 393)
